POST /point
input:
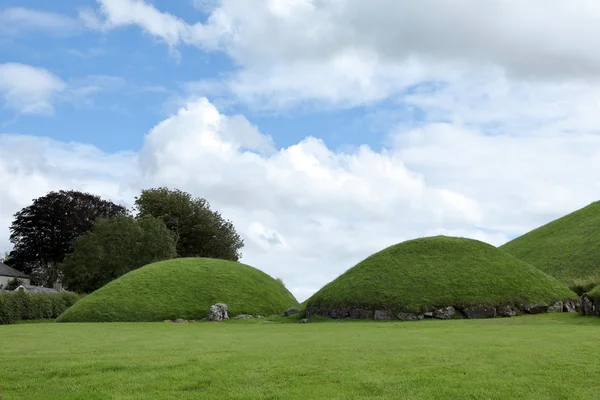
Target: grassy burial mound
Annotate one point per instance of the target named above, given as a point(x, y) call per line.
point(442, 275)
point(183, 288)
point(567, 248)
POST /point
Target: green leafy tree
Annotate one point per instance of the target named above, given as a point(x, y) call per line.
point(13, 284)
point(201, 231)
point(43, 233)
point(114, 247)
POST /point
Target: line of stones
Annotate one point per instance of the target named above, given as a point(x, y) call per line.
point(480, 311)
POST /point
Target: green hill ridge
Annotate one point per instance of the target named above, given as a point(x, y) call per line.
point(419, 275)
point(567, 248)
point(183, 288)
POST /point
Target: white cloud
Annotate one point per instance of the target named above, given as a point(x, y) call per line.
point(82, 91)
point(349, 52)
point(19, 20)
point(518, 181)
point(161, 25)
point(32, 166)
point(27, 89)
point(308, 213)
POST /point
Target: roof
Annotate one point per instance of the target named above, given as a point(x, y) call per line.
point(5, 270)
point(37, 289)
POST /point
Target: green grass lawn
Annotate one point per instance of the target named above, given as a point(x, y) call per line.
point(551, 356)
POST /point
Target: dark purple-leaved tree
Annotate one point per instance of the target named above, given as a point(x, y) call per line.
point(44, 232)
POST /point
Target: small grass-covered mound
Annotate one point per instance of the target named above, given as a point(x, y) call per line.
point(183, 288)
point(567, 248)
point(423, 274)
point(594, 293)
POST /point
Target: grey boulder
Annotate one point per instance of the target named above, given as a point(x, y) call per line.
point(537, 308)
point(409, 316)
point(480, 312)
point(556, 307)
point(359, 313)
point(382, 315)
point(569, 306)
point(217, 312)
point(587, 306)
point(444, 313)
point(506, 311)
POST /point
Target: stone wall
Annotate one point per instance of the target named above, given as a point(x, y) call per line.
point(474, 312)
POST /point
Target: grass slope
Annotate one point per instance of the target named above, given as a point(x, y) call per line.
point(416, 275)
point(567, 248)
point(595, 293)
point(549, 356)
point(182, 288)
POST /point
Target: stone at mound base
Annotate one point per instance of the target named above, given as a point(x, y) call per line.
point(359, 313)
point(556, 307)
point(480, 312)
point(444, 313)
point(243, 316)
point(381, 315)
point(536, 308)
point(587, 305)
point(291, 311)
point(506, 311)
point(569, 306)
point(409, 316)
point(217, 312)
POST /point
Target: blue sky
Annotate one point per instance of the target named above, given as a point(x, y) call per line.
point(336, 128)
point(141, 81)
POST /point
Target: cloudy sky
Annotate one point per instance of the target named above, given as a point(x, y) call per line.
point(324, 129)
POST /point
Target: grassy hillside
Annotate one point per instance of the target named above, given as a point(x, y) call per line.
point(416, 275)
point(567, 248)
point(183, 288)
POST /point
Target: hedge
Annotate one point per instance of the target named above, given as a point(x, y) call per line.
point(15, 306)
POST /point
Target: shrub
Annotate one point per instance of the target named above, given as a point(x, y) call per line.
point(15, 306)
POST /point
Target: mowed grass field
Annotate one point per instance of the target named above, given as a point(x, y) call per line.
point(552, 356)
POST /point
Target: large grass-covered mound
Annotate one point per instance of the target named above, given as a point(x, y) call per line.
point(183, 288)
point(567, 248)
point(423, 274)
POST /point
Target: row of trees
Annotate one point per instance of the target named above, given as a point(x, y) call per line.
point(85, 241)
